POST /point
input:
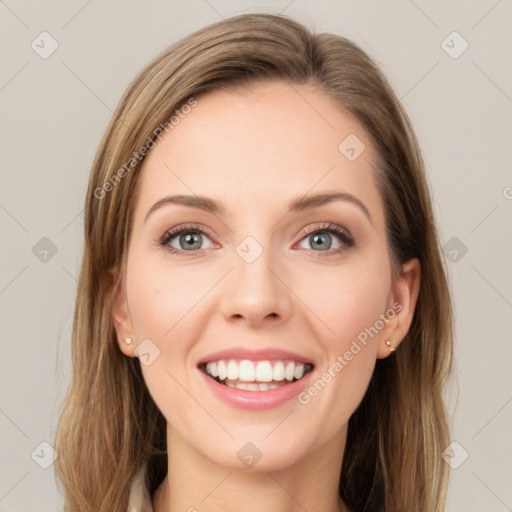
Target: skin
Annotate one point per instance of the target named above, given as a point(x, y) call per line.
point(255, 151)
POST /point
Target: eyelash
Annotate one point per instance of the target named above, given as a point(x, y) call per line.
point(347, 240)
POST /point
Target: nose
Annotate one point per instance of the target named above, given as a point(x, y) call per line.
point(256, 293)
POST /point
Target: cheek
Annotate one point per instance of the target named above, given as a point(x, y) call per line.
point(162, 299)
point(346, 300)
point(161, 306)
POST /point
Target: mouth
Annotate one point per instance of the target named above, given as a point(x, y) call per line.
point(251, 375)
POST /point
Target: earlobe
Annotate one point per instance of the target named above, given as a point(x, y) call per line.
point(404, 298)
point(121, 315)
point(389, 344)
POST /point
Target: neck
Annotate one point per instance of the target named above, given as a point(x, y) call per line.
point(195, 483)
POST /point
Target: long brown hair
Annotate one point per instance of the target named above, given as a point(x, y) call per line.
point(110, 426)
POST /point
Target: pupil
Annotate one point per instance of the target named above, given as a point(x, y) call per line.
point(319, 238)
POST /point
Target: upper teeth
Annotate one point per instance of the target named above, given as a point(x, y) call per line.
point(257, 371)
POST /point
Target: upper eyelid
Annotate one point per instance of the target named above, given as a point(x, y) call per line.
point(305, 231)
point(326, 226)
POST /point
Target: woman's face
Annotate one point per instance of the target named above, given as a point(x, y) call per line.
point(265, 276)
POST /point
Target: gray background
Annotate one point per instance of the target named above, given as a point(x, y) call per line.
point(54, 111)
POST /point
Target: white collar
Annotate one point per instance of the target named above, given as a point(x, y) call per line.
point(139, 499)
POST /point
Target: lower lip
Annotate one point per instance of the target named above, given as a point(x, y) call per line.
point(256, 399)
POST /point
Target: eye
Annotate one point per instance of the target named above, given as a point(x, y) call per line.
point(330, 238)
point(190, 239)
point(183, 239)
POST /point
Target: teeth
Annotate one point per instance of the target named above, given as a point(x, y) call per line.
point(257, 375)
point(222, 370)
point(299, 371)
point(212, 369)
point(278, 372)
point(246, 371)
point(252, 386)
point(289, 372)
point(264, 372)
point(232, 370)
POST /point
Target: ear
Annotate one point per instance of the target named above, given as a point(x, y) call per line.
point(121, 314)
point(404, 297)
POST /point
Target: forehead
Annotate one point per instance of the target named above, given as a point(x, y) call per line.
point(261, 145)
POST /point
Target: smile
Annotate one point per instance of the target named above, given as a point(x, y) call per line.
point(255, 375)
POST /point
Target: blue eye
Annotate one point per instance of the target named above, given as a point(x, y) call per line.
point(322, 239)
point(187, 238)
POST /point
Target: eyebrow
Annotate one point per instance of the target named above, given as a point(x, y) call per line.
point(298, 204)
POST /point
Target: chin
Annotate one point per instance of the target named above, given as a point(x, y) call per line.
point(257, 454)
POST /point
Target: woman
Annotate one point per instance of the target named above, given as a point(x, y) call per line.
point(263, 320)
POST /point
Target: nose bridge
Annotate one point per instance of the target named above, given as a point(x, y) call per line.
point(255, 291)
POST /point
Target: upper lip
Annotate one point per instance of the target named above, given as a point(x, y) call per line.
point(255, 355)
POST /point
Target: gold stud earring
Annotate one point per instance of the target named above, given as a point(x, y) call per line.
point(127, 340)
point(388, 343)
